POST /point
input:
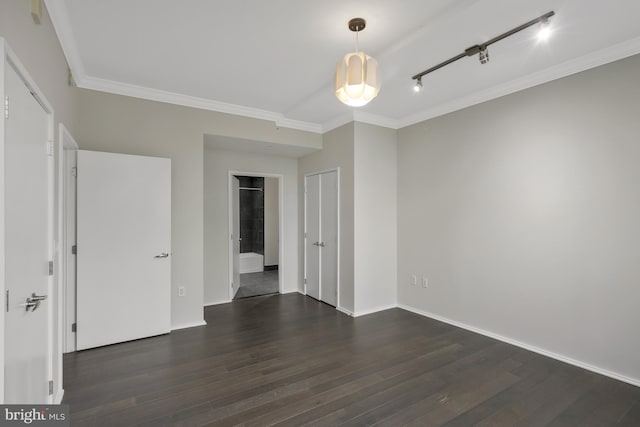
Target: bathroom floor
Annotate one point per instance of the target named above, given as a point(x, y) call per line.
point(254, 284)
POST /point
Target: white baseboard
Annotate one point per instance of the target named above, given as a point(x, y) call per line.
point(57, 399)
point(373, 310)
point(189, 325)
point(208, 304)
point(345, 311)
point(551, 354)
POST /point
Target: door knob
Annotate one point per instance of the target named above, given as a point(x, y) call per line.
point(33, 302)
point(162, 255)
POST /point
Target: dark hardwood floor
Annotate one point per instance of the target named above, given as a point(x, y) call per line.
point(289, 360)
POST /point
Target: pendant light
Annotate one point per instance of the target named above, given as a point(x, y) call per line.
point(357, 80)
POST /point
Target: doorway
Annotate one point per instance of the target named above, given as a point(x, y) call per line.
point(255, 212)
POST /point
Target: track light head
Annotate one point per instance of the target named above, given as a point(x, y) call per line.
point(483, 54)
point(544, 31)
point(418, 85)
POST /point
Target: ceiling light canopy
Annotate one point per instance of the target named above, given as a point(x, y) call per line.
point(357, 80)
point(482, 49)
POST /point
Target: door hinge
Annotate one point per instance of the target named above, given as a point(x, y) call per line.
point(50, 387)
point(74, 171)
point(74, 250)
point(305, 235)
point(50, 268)
point(6, 107)
point(6, 300)
point(74, 327)
point(50, 148)
point(305, 280)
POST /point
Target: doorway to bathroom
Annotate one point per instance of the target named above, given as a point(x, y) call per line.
point(255, 235)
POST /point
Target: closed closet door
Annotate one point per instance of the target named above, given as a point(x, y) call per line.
point(321, 243)
point(312, 229)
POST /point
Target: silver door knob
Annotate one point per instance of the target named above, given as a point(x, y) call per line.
point(162, 255)
point(33, 302)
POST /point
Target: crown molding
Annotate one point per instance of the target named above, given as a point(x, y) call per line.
point(601, 57)
point(150, 94)
point(374, 119)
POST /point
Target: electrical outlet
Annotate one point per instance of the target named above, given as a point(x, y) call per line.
point(181, 291)
point(425, 282)
point(414, 280)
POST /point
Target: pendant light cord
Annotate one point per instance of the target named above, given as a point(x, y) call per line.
point(357, 42)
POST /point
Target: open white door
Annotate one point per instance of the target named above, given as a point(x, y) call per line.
point(235, 234)
point(28, 245)
point(312, 236)
point(124, 246)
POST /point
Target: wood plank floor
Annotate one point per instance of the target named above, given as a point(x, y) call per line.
point(289, 360)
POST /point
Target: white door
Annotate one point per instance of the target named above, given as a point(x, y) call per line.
point(312, 239)
point(235, 233)
point(124, 247)
point(329, 237)
point(27, 246)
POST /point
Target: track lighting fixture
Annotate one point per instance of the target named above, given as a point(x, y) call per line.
point(482, 49)
point(545, 30)
point(418, 85)
point(483, 55)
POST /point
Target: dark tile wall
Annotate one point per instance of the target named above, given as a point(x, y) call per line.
point(251, 215)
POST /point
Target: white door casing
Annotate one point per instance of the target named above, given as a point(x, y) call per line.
point(124, 246)
point(28, 243)
point(235, 234)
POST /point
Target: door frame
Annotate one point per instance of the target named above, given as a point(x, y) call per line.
point(304, 231)
point(281, 224)
point(10, 59)
point(66, 221)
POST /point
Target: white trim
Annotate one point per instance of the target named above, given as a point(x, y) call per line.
point(374, 310)
point(2, 234)
point(282, 261)
point(63, 248)
point(210, 304)
point(344, 311)
point(374, 119)
point(189, 325)
point(57, 398)
point(573, 66)
point(551, 354)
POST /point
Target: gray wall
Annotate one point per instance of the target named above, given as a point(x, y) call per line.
point(133, 126)
point(523, 213)
point(375, 211)
point(337, 151)
point(217, 164)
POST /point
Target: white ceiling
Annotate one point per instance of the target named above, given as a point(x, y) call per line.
point(275, 59)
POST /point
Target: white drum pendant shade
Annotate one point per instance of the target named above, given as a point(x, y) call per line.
point(357, 81)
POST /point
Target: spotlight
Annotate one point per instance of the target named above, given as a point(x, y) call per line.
point(545, 30)
point(418, 85)
point(483, 54)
